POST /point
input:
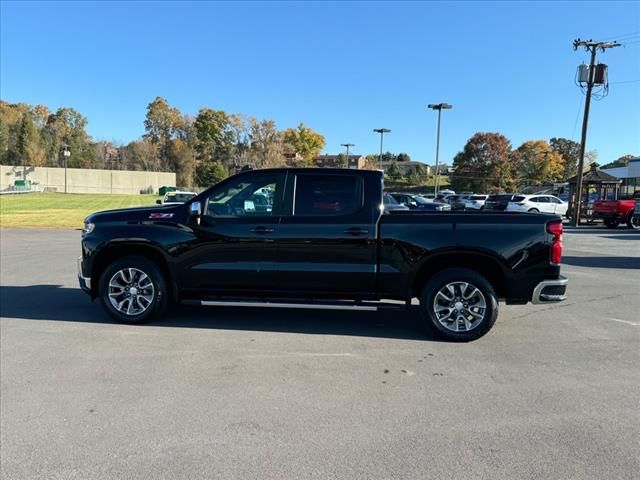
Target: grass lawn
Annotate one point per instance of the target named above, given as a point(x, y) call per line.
point(61, 210)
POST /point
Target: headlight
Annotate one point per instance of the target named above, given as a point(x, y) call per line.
point(88, 228)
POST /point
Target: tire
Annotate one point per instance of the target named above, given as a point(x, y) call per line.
point(534, 210)
point(632, 222)
point(611, 223)
point(436, 293)
point(125, 275)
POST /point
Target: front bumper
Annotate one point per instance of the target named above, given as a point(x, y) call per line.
point(85, 282)
point(550, 291)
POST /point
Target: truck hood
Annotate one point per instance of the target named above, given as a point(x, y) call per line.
point(138, 214)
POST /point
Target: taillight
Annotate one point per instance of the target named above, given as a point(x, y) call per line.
point(555, 252)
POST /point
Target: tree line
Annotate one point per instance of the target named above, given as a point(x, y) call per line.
point(205, 148)
point(201, 150)
point(488, 163)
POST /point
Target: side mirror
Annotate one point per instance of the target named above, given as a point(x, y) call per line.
point(159, 202)
point(195, 211)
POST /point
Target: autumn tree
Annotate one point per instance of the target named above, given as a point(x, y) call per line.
point(570, 152)
point(213, 135)
point(140, 155)
point(161, 124)
point(304, 141)
point(267, 147)
point(537, 163)
point(484, 164)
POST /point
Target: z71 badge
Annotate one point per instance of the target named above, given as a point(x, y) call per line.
point(156, 216)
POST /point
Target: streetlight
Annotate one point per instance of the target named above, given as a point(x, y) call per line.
point(439, 107)
point(347, 145)
point(66, 153)
point(381, 131)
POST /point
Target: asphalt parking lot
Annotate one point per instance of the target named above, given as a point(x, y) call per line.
point(552, 392)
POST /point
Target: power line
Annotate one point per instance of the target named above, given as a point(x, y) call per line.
point(575, 124)
point(624, 81)
point(624, 35)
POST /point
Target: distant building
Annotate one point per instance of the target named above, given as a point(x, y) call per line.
point(630, 176)
point(292, 157)
point(332, 161)
point(408, 167)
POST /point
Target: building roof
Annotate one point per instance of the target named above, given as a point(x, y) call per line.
point(336, 157)
point(595, 176)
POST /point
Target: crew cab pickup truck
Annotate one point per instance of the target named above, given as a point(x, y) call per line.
point(325, 243)
point(615, 212)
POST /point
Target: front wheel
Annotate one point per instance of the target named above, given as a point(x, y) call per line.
point(460, 304)
point(634, 222)
point(534, 210)
point(133, 290)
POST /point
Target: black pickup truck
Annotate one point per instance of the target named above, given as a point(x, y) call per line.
point(319, 238)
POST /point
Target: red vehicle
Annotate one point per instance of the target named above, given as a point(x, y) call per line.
point(615, 212)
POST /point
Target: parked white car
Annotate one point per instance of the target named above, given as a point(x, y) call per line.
point(537, 203)
point(475, 202)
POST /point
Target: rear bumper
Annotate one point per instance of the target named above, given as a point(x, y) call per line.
point(550, 291)
point(85, 282)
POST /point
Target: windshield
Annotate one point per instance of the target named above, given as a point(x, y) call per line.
point(389, 200)
point(178, 197)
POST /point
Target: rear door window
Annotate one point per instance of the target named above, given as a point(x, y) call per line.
point(327, 195)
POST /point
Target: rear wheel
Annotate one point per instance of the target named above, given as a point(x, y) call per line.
point(611, 223)
point(460, 304)
point(133, 290)
point(633, 221)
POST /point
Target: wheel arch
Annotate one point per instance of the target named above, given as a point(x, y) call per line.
point(111, 252)
point(490, 267)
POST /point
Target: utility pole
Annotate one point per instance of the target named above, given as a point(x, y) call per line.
point(66, 154)
point(591, 47)
point(438, 107)
point(347, 145)
point(381, 131)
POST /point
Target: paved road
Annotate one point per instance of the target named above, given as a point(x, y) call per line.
point(550, 393)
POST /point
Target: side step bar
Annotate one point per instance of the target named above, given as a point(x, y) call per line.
point(362, 306)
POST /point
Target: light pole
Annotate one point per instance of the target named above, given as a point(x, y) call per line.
point(439, 107)
point(66, 153)
point(347, 145)
point(381, 131)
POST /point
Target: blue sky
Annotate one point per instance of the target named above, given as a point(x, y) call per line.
point(341, 68)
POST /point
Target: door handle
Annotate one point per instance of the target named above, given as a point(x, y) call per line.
point(356, 231)
point(261, 230)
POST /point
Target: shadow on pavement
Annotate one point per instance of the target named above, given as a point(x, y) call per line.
point(622, 230)
point(634, 236)
point(603, 262)
point(57, 303)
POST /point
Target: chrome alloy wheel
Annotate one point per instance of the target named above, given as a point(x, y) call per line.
point(459, 306)
point(131, 291)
